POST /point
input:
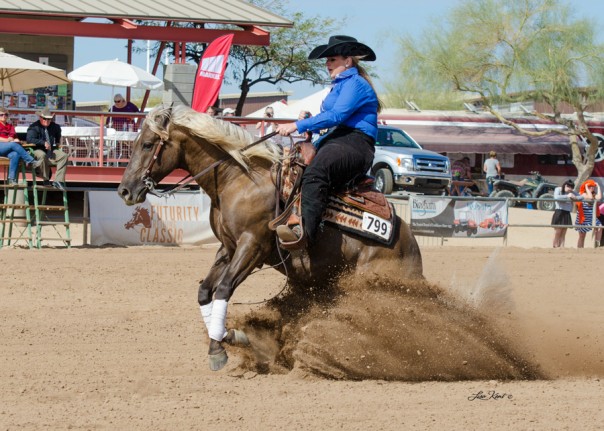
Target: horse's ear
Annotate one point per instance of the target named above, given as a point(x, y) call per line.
point(167, 116)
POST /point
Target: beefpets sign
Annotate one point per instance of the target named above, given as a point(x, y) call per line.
point(445, 217)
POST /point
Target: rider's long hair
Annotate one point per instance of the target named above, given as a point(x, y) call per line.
point(364, 74)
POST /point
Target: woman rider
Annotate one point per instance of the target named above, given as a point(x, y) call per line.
point(346, 152)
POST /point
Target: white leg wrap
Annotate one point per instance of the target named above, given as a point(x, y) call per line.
point(206, 313)
point(217, 329)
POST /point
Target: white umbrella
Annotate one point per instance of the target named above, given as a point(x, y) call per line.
point(18, 74)
point(115, 73)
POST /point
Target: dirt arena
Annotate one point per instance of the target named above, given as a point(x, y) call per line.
point(112, 338)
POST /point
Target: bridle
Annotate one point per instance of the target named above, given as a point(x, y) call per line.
point(150, 184)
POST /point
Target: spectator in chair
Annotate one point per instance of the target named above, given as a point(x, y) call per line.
point(12, 149)
point(45, 134)
point(120, 105)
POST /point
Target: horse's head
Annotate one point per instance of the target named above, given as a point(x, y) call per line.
point(154, 155)
point(183, 138)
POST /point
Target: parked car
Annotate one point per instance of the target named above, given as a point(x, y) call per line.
point(400, 163)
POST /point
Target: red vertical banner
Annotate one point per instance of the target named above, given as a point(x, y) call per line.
point(210, 73)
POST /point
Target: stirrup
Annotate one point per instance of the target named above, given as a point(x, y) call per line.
point(291, 238)
point(289, 234)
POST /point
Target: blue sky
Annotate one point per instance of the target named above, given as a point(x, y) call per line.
point(376, 23)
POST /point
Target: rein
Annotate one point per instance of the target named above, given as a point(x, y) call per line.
point(150, 184)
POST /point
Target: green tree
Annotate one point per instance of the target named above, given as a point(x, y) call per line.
point(501, 51)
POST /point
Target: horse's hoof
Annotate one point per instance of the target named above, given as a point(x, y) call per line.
point(218, 360)
point(235, 337)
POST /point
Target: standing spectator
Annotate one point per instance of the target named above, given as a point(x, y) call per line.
point(492, 169)
point(11, 148)
point(45, 134)
point(591, 193)
point(213, 111)
point(228, 112)
point(264, 126)
point(120, 105)
point(303, 115)
point(601, 218)
point(561, 215)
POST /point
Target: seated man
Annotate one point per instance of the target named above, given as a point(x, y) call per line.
point(12, 149)
point(460, 171)
point(45, 134)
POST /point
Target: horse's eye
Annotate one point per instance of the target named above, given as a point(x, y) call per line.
point(147, 145)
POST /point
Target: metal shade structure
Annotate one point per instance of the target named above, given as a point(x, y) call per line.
point(17, 74)
point(116, 74)
point(482, 138)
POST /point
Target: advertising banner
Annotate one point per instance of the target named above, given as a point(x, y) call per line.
point(445, 217)
point(210, 73)
point(177, 220)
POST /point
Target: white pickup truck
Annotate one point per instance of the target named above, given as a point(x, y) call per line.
point(401, 163)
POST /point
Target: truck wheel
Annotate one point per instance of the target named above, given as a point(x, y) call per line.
point(384, 181)
point(506, 194)
point(546, 206)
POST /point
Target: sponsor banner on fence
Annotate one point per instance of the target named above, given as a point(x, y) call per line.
point(440, 216)
point(180, 219)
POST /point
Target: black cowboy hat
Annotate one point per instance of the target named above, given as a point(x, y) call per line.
point(345, 46)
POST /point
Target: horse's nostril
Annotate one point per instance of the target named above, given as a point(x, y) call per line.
point(123, 192)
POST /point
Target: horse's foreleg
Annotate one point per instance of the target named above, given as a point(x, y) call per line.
point(206, 287)
point(247, 256)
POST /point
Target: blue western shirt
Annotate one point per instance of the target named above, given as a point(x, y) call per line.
point(352, 102)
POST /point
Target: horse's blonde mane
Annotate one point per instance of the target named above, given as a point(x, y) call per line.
point(228, 137)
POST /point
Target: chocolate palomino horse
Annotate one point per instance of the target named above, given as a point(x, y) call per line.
point(237, 178)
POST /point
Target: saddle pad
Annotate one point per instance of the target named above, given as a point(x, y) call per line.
point(367, 199)
point(361, 222)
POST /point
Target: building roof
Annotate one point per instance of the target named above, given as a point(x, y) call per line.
point(72, 18)
point(462, 132)
point(209, 11)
